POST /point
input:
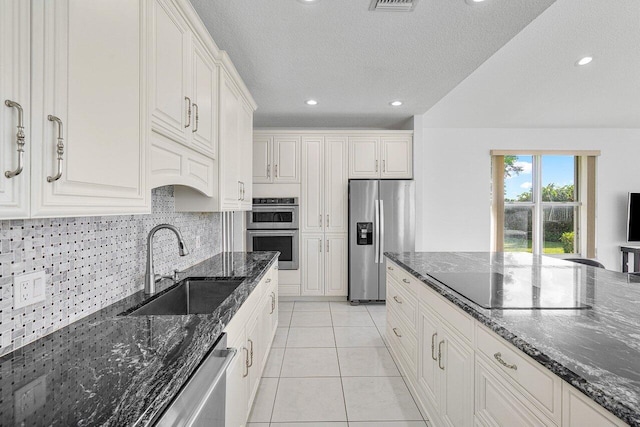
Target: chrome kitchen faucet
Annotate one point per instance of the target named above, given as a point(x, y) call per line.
point(150, 278)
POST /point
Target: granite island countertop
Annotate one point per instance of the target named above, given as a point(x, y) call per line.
point(113, 370)
point(597, 350)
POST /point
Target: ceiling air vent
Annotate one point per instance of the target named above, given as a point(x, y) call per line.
point(393, 5)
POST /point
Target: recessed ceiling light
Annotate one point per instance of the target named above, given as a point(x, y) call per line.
point(472, 2)
point(307, 1)
point(395, 103)
point(585, 60)
point(311, 102)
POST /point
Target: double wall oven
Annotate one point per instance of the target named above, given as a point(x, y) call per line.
point(272, 225)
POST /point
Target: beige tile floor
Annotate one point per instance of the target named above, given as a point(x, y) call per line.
point(329, 366)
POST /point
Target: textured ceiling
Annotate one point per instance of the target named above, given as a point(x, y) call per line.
point(353, 61)
point(533, 81)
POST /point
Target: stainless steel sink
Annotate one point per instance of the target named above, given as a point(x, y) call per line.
point(192, 296)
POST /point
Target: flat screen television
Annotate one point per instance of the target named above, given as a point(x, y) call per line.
point(633, 218)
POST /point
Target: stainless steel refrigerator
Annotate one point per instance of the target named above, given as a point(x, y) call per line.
point(381, 219)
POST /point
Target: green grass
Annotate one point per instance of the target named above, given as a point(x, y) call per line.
point(515, 245)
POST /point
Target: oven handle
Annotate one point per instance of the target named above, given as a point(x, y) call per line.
point(271, 208)
point(272, 232)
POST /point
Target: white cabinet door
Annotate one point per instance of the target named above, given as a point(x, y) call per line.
point(237, 395)
point(336, 178)
point(204, 115)
point(286, 159)
point(312, 200)
point(397, 156)
point(262, 157)
point(364, 159)
point(169, 63)
point(456, 391)
point(15, 54)
point(580, 411)
point(229, 149)
point(335, 257)
point(428, 371)
point(312, 264)
point(89, 77)
point(245, 161)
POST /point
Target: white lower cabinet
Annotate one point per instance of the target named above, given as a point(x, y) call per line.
point(251, 332)
point(445, 371)
point(467, 375)
point(324, 264)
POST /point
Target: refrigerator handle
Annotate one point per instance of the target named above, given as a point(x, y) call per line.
point(376, 227)
point(381, 233)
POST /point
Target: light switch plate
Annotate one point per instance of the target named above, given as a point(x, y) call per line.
point(29, 289)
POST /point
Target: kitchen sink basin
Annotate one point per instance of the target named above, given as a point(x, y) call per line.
point(191, 296)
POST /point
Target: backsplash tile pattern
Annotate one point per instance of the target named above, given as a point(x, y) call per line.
point(91, 262)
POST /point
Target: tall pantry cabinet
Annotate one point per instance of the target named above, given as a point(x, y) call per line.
point(78, 86)
point(324, 215)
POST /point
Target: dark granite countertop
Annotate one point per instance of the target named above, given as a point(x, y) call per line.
point(115, 370)
point(597, 350)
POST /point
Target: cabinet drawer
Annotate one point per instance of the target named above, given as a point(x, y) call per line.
point(403, 341)
point(460, 321)
point(402, 303)
point(541, 387)
point(497, 403)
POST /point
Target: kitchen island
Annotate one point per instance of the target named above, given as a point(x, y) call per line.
point(118, 370)
point(558, 340)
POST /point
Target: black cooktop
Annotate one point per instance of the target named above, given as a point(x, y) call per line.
point(513, 291)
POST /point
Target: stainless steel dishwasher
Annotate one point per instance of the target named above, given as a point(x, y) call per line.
point(201, 401)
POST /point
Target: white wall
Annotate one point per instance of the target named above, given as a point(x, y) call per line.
point(453, 182)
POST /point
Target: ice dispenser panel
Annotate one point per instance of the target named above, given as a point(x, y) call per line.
point(365, 233)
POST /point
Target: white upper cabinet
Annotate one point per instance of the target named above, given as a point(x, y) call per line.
point(324, 184)
point(89, 108)
point(15, 150)
point(204, 114)
point(262, 158)
point(245, 166)
point(336, 184)
point(230, 105)
point(286, 159)
point(387, 156)
point(276, 159)
point(364, 157)
point(312, 201)
point(396, 156)
point(169, 71)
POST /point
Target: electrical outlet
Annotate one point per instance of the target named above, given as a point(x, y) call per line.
point(29, 289)
point(197, 242)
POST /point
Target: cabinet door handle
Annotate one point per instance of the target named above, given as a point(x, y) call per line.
point(498, 357)
point(246, 362)
point(251, 352)
point(273, 302)
point(390, 268)
point(320, 216)
point(186, 98)
point(276, 171)
point(406, 281)
point(268, 171)
point(395, 331)
point(327, 220)
point(395, 298)
point(195, 107)
point(440, 365)
point(268, 281)
point(19, 139)
point(320, 246)
point(433, 345)
point(327, 245)
point(384, 166)
point(59, 148)
point(376, 165)
point(243, 192)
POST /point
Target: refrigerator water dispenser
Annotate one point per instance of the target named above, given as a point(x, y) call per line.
point(365, 233)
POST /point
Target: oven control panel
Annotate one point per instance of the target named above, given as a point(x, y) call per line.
point(276, 201)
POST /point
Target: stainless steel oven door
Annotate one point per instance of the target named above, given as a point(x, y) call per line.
point(273, 217)
point(284, 241)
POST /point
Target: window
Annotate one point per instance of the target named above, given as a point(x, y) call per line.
point(544, 202)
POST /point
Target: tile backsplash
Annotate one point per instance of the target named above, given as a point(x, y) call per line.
point(91, 262)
